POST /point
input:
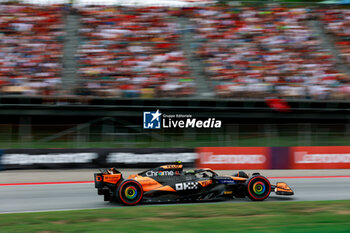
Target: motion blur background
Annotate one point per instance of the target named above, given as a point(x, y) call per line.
point(79, 74)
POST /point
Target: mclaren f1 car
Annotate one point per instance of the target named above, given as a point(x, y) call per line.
point(170, 183)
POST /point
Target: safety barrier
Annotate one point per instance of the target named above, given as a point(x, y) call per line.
point(218, 158)
point(308, 157)
point(94, 158)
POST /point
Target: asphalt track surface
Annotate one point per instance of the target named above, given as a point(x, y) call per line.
point(69, 196)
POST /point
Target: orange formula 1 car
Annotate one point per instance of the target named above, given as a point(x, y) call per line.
point(169, 183)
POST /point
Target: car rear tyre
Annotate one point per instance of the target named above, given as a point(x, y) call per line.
point(258, 188)
point(130, 192)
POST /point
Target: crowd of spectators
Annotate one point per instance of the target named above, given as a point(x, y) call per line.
point(247, 52)
point(337, 24)
point(31, 49)
point(132, 52)
point(250, 52)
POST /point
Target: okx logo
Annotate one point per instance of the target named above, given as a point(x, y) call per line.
point(151, 120)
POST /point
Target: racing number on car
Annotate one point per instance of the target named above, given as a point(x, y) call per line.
point(186, 186)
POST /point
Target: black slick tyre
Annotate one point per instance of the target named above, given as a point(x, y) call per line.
point(258, 188)
point(130, 192)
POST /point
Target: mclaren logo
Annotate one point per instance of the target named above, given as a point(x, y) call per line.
point(186, 186)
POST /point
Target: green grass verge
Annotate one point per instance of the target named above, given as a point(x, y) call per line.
point(320, 216)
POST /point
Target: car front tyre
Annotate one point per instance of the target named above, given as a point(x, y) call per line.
point(258, 188)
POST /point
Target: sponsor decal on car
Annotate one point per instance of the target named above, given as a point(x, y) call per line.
point(186, 186)
point(205, 183)
point(227, 181)
point(162, 173)
point(111, 178)
point(172, 166)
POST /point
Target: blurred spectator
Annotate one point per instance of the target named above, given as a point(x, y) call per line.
point(30, 49)
point(337, 24)
point(132, 52)
point(253, 53)
point(135, 52)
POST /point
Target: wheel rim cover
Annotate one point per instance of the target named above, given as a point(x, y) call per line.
point(259, 188)
point(130, 192)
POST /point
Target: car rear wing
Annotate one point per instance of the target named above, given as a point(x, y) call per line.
point(98, 178)
point(105, 177)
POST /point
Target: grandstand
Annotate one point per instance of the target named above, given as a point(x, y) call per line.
point(254, 52)
point(161, 52)
point(337, 22)
point(80, 75)
point(31, 49)
point(133, 50)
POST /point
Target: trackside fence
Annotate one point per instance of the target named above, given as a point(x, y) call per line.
point(219, 158)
